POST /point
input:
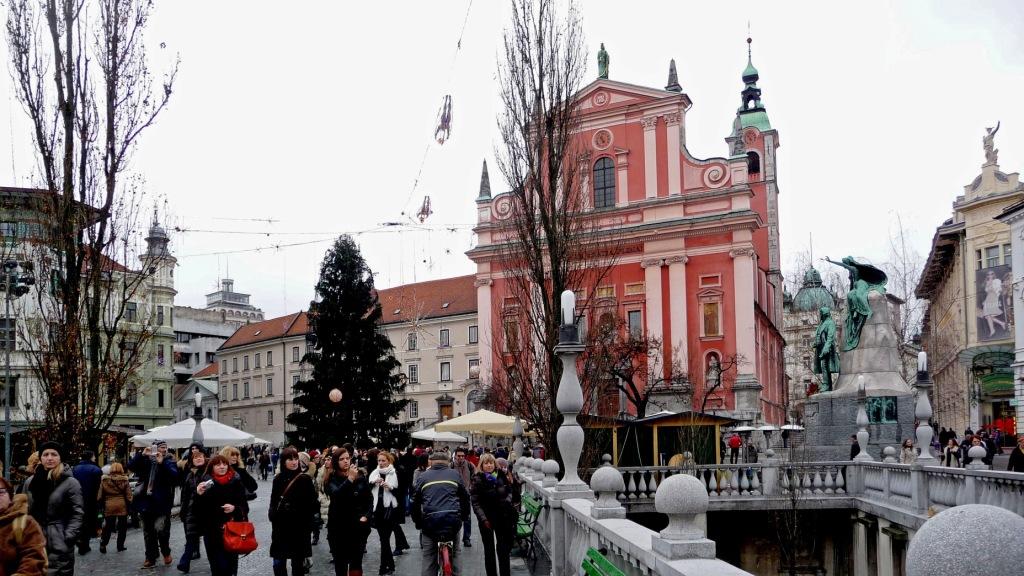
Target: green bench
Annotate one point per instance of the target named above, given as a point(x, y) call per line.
point(526, 533)
point(596, 564)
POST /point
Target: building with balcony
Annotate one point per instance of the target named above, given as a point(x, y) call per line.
point(436, 337)
point(969, 324)
point(233, 304)
point(258, 365)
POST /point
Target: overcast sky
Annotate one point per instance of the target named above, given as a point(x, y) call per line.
point(317, 115)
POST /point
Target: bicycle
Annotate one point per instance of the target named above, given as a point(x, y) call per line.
point(444, 560)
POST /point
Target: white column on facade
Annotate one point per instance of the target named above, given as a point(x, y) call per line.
point(652, 289)
point(744, 293)
point(884, 550)
point(622, 178)
point(672, 122)
point(483, 311)
point(677, 305)
point(650, 156)
point(1017, 264)
point(860, 548)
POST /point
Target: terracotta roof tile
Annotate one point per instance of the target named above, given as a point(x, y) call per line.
point(210, 370)
point(296, 324)
point(431, 299)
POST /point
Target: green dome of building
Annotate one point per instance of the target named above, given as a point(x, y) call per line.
point(813, 295)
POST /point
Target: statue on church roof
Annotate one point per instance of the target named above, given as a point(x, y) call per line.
point(988, 141)
point(863, 279)
point(826, 356)
point(602, 63)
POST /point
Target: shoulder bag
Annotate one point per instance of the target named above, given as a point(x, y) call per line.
point(239, 537)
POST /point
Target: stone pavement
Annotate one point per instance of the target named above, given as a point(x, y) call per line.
point(115, 563)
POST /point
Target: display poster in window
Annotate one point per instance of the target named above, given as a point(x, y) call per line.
point(994, 297)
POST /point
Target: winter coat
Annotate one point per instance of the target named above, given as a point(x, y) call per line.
point(492, 499)
point(250, 484)
point(908, 456)
point(207, 506)
point(440, 502)
point(188, 515)
point(61, 516)
point(350, 501)
point(1016, 463)
point(466, 472)
point(160, 497)
point(114, 495)
point(388, 497)
point(291, 514)
point(88, 475)
point(27, 556)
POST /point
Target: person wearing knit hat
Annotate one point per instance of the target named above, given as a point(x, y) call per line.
point(158, 475)
point(55, 501)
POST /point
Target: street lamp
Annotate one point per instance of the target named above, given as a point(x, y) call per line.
point(15, 284)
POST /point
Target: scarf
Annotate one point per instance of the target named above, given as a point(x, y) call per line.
point(223, 480)
point(41, 488)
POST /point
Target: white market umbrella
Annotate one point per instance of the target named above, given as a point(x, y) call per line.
point(261, 441)
point(479, 422)
point(433, 435)
point(179, 434)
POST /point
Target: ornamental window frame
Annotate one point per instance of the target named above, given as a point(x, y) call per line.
point(604, 196)
point(711, 297)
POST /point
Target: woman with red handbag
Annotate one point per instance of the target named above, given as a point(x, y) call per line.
point(220, 500)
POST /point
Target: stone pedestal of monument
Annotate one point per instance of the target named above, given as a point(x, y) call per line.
point(830, 417)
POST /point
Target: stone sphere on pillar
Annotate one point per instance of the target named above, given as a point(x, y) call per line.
point(334, 395)
point(1002, 552)
point(681, 494)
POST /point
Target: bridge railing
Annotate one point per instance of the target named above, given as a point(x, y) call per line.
point(906, 489)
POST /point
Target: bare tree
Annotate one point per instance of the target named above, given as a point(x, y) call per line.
point(635, 365)
point(81, 73)
point(549, 243)
point(904, 269)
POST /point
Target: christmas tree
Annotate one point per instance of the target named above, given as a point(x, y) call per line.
point(351, 354)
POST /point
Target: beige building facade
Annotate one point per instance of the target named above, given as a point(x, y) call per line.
point(969, 325)
point(433, 328)
point(257, 368)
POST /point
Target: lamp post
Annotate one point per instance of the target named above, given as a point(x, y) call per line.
point(14, 285)
point(197, 415)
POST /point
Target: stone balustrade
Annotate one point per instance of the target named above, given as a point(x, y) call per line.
point(568, 527)
point(897, 492)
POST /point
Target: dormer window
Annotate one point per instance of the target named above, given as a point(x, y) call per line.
point(604, 183)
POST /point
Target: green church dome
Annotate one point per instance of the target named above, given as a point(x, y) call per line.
point(813, 295)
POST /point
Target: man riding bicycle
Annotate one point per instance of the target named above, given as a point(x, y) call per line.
point(440, 504)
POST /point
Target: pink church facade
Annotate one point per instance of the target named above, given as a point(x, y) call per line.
point(701, 265)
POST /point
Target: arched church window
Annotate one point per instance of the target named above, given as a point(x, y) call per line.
point(604, 183)
point(753, 163)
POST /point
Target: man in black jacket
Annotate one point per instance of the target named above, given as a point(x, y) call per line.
point(440, 505)
point(1016, 463)
point(88, 475)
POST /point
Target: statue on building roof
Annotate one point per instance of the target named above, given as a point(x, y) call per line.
point(602, 63)
point(826, 356)
point(863, 279)
point(988, 142)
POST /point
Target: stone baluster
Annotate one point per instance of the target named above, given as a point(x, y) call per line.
point(631, 487)
point(683, 499)
point(550, 471)
point(652, 486)
point(808, 484)
point(569, 399)
point(641, 486)
point(889, 455)
point(862, 423)
point(607, 483)
point(755, 482)
point(818, 483)
point(786, 472)
point(923, 412)
point(734, 482)
point(525, 467)
point(713, 484)
point(517, 444)
point(840, 481)
point(744, 483)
